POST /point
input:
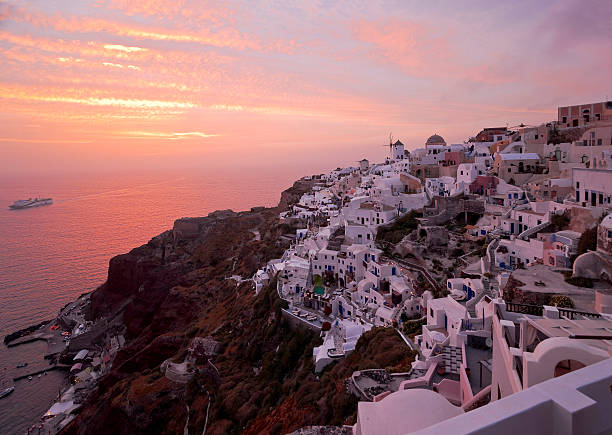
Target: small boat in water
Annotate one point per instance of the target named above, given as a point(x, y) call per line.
point(30, 203)
point(21, 365)
point(6, 392)
point(6, 387)
point(29, 378)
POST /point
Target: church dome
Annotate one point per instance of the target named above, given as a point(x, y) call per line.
point(435, 139)
point(607, 222)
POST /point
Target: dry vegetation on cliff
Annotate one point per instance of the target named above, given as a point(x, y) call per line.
point(168, 291)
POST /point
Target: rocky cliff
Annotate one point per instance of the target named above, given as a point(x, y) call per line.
point(178, 287)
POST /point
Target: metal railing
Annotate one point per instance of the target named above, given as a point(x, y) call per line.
point(569, 313)
point(538, 310)
point(513, 307)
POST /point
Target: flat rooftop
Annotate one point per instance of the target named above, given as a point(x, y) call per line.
point(584, 298)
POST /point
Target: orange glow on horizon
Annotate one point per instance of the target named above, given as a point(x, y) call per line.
point(150, 77)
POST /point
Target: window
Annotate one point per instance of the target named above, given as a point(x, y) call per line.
point(431, 312)
point(599, 142)
point(577, 184)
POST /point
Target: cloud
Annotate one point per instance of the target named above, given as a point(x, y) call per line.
point(224, 37)
point(115, 65)
point(24, 94)
point(423, 49)
point(171, 136)
point(192, 11)
point(42, 141)
point(123, 48)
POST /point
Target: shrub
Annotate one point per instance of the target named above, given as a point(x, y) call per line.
point(579, 281)
point(395, 231)
point(561, 301)
point(588, 241)
point(414, 326)
point(560, 222)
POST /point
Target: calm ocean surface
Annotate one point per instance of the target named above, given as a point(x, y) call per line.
point(49, 255)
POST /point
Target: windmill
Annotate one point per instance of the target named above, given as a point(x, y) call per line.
point(390, 145)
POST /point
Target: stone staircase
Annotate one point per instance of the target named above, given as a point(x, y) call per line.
point(529, 232)
point(471, 304)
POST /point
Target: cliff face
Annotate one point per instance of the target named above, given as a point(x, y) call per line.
point(175, 288)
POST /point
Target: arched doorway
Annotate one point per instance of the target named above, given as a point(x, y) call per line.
point(567, 365)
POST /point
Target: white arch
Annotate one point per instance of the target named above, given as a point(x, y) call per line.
point(540, 365)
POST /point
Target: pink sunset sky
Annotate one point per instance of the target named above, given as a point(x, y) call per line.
point(116, 83)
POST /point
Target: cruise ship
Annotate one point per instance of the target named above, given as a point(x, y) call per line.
point(29, 203)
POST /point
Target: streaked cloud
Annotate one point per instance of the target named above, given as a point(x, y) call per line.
point(43, 141)
point(123, 48)
point(291, 74)
point(171, 136)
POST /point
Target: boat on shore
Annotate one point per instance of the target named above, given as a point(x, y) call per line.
point(30, 203)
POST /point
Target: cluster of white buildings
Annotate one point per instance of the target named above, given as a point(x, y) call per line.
point(540, 188)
